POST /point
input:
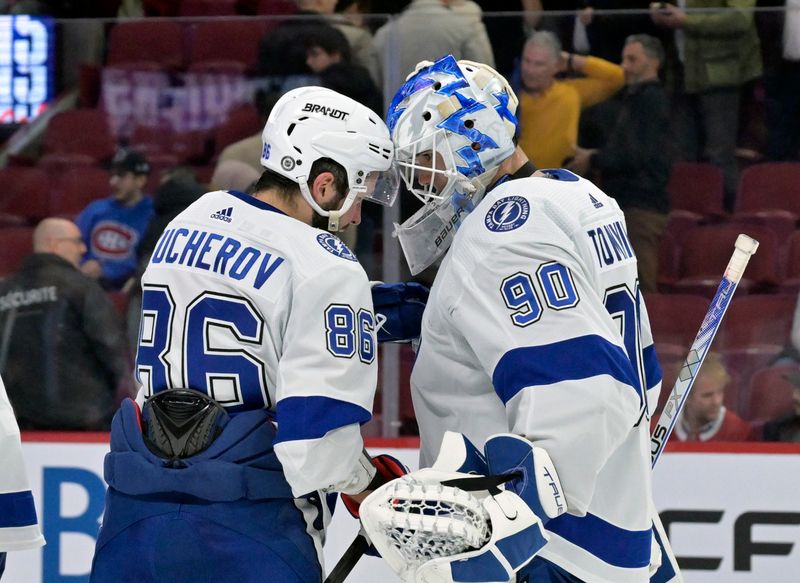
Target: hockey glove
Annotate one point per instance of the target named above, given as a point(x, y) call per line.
point(517, 515)
point(387, 469)
point(537, 482)
point(400, 305)
point(444, 525)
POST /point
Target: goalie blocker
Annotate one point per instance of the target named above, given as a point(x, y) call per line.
point(452, 522)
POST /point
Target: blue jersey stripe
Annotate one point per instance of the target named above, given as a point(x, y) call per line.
point(628, 549)
point(652, 369)
point(17, 509)
point(313, 417)
point(666, 571)
point(568, 360)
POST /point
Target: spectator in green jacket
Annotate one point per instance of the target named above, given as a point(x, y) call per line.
point(719, 53)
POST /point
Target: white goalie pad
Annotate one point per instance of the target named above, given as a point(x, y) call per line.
point(432, 533)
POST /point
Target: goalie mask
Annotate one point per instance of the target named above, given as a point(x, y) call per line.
point(310, 123)
point(452, 125)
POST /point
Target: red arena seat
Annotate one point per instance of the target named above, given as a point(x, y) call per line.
point(81, 132)
point(24, 196)
point(16, 243)
point(706, 250)
point(770, 185)
point(207, 8)
point(758, 321)
point(77, 188)
point(226, 41)
point(675, 318)
point(791, 282)
point(240, 123)
point(770, 393)
point(696, 187)
point(146, 40)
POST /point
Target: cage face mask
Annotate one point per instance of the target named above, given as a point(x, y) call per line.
point(452, 124)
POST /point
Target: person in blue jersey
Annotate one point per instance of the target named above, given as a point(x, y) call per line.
point(19, 527)
point(535, 339)
point(256, 364)
point(112, 227)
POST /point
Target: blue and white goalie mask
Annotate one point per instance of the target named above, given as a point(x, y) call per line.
point(452, 124)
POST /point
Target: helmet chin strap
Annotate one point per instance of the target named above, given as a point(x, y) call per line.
point(333, 221)
point(333, 216)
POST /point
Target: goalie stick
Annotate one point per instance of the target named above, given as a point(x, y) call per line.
point(349, 559)
point(745, 247)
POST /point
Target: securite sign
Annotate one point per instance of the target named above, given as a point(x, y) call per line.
point(733, 511)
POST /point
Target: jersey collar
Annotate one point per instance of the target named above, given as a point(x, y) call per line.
point(249, 199)
point(524, 171)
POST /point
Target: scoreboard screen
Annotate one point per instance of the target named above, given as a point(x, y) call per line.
point(26, 66)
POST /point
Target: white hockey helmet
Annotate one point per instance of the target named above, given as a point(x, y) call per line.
point(452, 122)
point(310, 123)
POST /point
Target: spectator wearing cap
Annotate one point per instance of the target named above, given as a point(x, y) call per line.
point(787, 426)
point(112, 227)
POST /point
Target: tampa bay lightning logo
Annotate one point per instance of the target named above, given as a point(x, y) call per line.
point(507, 214)
point(332, 244)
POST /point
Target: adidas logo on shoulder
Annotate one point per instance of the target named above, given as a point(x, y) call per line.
point(223, 215)
point(597, 204)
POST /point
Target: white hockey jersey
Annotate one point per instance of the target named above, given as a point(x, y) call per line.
point(19, 527)
point(535, 326)
point(260, 310)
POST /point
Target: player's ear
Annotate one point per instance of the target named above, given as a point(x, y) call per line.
point(323, 188)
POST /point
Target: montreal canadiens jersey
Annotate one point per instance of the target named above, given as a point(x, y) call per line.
point(535, 326)
point(19, 528)
point(260, 310)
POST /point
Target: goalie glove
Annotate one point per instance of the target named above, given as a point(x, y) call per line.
point(387, 468)
point(440, 526)
point(399, 308)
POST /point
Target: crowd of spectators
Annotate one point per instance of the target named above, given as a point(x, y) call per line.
point(616, 97)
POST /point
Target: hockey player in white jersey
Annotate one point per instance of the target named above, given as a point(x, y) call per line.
point(257, 365)
point(19, 527)
point(535, 342)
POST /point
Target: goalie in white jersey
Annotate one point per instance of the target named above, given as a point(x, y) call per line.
point(535, 327)
point(267, 320)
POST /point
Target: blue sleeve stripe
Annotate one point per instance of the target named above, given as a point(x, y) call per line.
point(17, 509)
point(652, 369)
point(312, 417)
point(628, 549)
point(568, 360)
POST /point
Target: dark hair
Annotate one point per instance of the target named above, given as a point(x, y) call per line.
point(288, 188)
point(651, 45)
point(343, 5)
point(330, 40)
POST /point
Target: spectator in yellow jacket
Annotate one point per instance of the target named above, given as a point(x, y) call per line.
point(549, 109)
